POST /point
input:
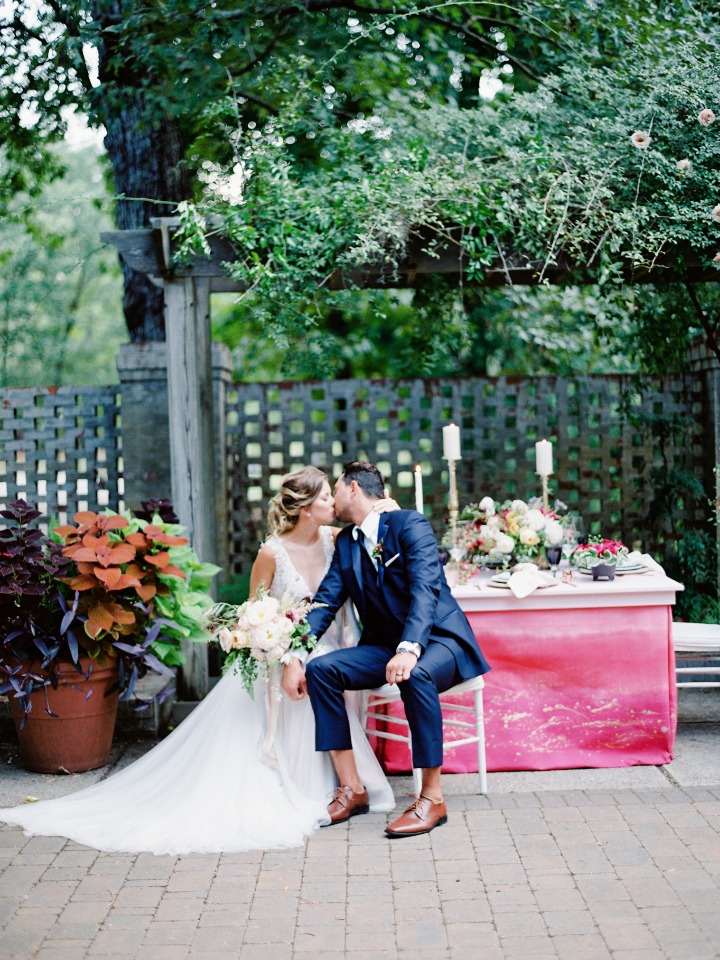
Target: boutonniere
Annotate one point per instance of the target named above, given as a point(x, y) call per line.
point(377, 550)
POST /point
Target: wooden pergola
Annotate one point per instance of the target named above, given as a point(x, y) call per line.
point(187, 289)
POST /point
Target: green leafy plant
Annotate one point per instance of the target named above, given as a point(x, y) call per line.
point(116, 587)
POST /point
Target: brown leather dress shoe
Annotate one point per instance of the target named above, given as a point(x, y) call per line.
point(422, 816)
point(346, 804)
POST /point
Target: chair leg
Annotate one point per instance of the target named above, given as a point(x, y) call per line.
point(480, 733)
point(416, 771)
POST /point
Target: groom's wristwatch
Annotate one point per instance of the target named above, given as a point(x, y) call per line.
point(408, 646)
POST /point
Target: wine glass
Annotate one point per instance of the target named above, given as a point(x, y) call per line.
point(457, 553)
point(553, 552)
point(569, 542)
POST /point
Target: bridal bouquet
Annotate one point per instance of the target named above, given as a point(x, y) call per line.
point(260, 632)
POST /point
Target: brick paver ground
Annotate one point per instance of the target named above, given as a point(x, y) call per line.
point(575, 875)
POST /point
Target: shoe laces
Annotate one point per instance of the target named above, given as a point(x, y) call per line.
point(415, 806)
point(342, 795)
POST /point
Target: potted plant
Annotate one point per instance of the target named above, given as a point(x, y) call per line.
point(84, 615)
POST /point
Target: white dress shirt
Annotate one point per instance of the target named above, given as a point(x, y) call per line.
point(369, 527)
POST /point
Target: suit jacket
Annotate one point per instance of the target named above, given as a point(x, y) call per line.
point(413, 585)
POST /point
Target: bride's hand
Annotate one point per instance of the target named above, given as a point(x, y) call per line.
point(293, 679)
point(387, 505)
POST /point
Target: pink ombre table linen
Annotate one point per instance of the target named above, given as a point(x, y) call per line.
point(582, 676)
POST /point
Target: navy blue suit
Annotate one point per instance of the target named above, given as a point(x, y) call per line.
point(406, 599)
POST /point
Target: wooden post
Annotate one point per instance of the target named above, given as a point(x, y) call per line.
point(192, 439)
point(702, 360)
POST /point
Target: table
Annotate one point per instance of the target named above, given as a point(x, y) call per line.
point(583, 675)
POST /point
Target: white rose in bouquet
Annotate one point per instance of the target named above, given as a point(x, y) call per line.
point(225, 639)
point(240, 640)
point(487, 505)
point(262, 611)
point(504, 543)
point(518, 506)
point(267, 637)
point(529, 537)
point(553, 533)
point(535, 519)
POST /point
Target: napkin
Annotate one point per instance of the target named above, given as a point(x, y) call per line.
point(527, 578)
point(646, 560)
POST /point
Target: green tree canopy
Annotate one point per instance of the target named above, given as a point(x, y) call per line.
point(60, 287)
point(187, 90)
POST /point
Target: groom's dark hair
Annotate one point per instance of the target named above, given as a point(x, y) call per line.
point(367, 476)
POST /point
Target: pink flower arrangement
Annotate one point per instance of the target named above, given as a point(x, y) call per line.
point(599, 550)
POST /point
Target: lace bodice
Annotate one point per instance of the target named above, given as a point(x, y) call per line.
point(290, 559)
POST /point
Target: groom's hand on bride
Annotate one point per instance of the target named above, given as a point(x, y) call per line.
point(293, 680)
point(400, 667)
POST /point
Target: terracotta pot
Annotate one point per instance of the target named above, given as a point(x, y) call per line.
point(80, 737)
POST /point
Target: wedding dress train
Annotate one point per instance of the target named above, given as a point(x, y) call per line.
point(215, 784)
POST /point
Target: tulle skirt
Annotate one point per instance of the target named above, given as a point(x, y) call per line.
point(211, 786)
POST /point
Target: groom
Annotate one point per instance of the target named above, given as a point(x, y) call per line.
point(414, 634)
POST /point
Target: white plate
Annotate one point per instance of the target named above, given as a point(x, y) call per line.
point(620, 571)
point(501, 580)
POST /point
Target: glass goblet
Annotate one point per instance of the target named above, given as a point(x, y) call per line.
point(570, 542)
point(553, 554)
point(457, 553)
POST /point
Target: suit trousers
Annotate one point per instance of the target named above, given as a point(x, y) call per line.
point(362, 668)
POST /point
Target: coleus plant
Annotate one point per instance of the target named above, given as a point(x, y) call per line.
point(112, 587)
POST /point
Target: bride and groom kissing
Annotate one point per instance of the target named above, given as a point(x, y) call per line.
point(414, 634)
point(217, 786)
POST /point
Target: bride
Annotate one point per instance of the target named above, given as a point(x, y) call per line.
point(216, 783)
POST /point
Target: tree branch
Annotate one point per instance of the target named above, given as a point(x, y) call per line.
point(710, 329)
point(320, 6)
point(261, 103)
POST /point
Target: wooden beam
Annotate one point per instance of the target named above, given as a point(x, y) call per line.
point(192, 439)
point(146, 251)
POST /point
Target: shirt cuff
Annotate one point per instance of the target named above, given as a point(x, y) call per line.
point(300, 655)
point(408, 646)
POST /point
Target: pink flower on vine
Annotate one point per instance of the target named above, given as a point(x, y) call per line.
point(706, 117)
point(641, 139)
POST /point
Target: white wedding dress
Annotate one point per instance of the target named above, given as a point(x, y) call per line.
point(215, 784)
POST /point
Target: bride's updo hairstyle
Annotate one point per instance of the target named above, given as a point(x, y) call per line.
point(297, 490)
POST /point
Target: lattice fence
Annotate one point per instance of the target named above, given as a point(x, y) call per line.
point(603, 460)
point(60, 449)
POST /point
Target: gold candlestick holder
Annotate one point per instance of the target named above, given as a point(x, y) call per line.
point(545, 492)
point(453, 504)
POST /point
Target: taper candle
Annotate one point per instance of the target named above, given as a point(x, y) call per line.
point(419, 504)
point(543, 458)
point(451, 442)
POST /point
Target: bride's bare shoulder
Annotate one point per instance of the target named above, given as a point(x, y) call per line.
point(263, 569)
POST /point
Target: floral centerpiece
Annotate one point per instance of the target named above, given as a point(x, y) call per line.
point(495, 533)
point(260, 633)
point(599, 550)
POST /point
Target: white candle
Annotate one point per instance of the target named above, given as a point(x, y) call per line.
point(418, 489)
point(543, 458)
point(451, 442)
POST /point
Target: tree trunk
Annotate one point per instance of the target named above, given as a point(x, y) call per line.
point(146, 154)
